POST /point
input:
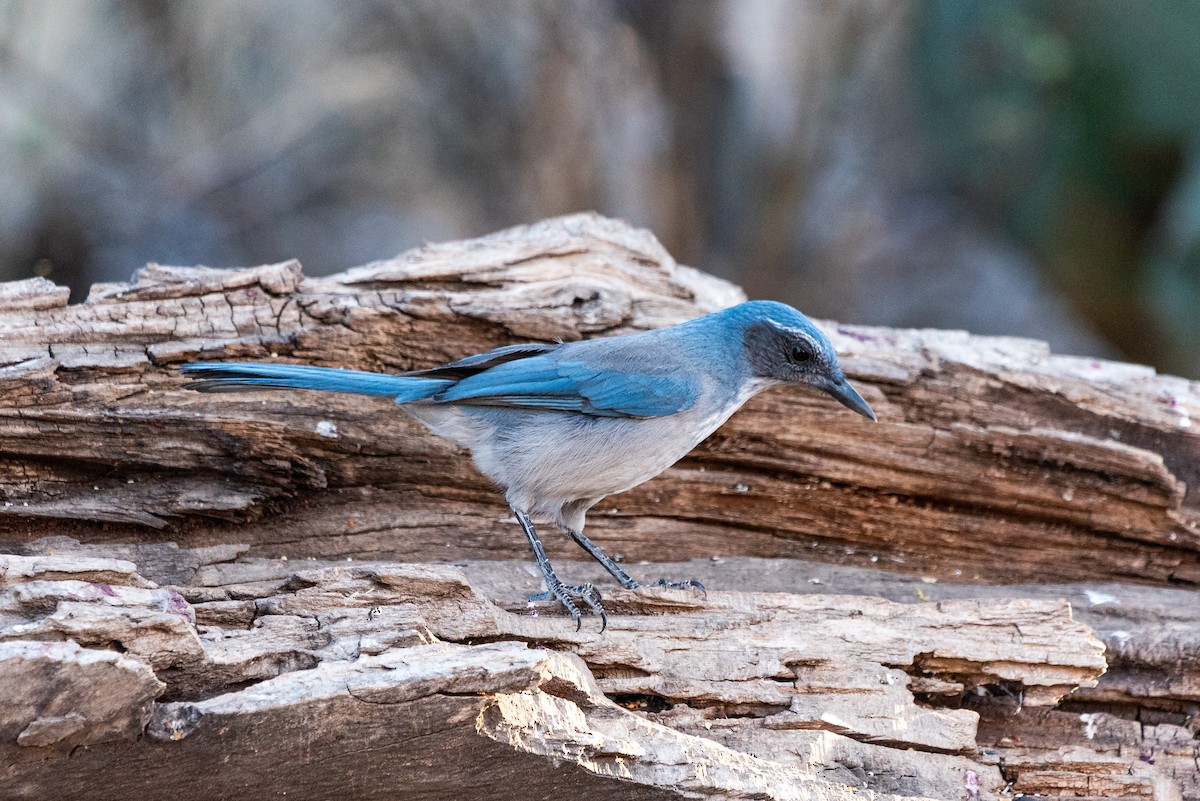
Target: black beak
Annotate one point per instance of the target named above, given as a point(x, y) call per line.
point(848, 396)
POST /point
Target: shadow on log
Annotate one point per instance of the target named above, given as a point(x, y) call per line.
point(242, 596)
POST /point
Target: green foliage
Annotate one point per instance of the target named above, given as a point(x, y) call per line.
point(1074, 126)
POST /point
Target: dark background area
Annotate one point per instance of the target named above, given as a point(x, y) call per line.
point(1016, 166)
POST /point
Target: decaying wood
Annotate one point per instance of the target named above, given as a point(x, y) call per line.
point(327, 643)
point(987, 444)
point(180, 571)
point(832, 684)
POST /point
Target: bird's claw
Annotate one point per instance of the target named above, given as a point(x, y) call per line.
point(685, 584)
point(567, 595)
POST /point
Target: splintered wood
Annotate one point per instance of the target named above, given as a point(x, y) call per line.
point(987, 445)
point(743, 684)
point(178, 595)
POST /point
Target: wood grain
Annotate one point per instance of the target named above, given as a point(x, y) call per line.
point(319, 646)
point(920, 608)
point(986, 444)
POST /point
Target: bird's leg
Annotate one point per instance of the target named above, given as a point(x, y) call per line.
point(623, 578)
point(596, 552)
point(565, 595)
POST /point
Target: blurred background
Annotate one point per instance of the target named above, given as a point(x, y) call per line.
point(1027, 167)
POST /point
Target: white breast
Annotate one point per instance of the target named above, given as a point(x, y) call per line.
point(545, 459)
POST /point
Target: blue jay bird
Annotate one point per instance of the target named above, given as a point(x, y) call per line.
point(560, 426)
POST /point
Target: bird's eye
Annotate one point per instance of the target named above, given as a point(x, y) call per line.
point(801, 354)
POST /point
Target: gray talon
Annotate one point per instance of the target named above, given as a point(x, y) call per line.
point(685, 584)
point(567, 595)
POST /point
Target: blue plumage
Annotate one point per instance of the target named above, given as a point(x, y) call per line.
point(560, 426)
point(534, 382)
point(229, 376)
point(546, 382)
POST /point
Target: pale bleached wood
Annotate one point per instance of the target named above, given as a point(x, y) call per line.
point(317, 643)
point(1133, 735)
point(262, 619)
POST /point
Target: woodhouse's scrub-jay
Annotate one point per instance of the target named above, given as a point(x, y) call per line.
point(561, 426)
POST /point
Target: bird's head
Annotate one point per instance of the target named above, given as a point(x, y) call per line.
point(784, 345)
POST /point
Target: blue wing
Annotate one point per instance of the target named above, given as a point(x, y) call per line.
point(544, 382)
point(485, 361)
point(530, 376)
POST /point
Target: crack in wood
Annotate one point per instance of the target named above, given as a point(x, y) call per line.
point(997, 462)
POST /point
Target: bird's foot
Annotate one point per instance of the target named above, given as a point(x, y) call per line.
point(685, 584)
point(568, 595)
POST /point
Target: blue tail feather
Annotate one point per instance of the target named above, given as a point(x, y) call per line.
point(232, 377)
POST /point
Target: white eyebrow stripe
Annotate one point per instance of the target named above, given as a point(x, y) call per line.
point(818, 349)
point(799, 332)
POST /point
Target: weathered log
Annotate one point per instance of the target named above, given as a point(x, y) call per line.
point(322, 644)
point(987, 445)
point(181, 559)
point(839, 685)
